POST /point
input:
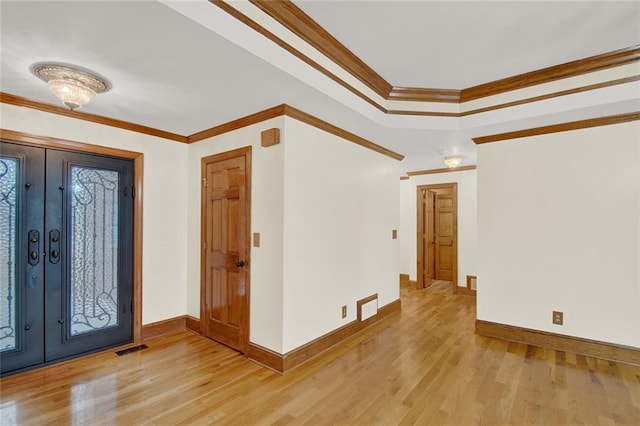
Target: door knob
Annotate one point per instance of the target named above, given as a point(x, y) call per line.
point(60, 321)
point(240, 263)
point(27, 327)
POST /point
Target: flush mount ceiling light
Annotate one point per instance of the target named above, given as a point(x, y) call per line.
point(73, 86)
point(453, 160)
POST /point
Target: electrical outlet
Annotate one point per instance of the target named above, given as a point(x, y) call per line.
point(558, 317)
point(344, 311)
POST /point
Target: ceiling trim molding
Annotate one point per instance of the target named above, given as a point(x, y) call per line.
point(424, 95)
point(562, 127)
point(298, 22)
point(7, 98)
point(277, 40)
point(248, 120)
point(423, 113)
point(299, 115)
point(239, 123)
point(554, 95)
point(443, 170)
point(330, 128)
point(553, 73)
point(302, 25)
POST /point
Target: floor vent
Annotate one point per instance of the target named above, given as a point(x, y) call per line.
point(130, 350)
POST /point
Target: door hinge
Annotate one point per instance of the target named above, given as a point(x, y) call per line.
point(204, 182)
point(131, 307)
point(204, 245)
point(133, 192)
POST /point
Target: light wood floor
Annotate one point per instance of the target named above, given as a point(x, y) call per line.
point(422, 366)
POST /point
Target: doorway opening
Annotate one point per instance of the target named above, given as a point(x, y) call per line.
point(225, 263)
point(437, 234)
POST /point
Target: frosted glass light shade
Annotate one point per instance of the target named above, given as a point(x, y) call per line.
point(73, 94)
point(453, 160)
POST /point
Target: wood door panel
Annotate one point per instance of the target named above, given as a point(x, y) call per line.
point(445, 203)
point(233, 227)
point(444, 260)
point(445, 225)
point(225, 334)
point(235, 298)
point(226, 229)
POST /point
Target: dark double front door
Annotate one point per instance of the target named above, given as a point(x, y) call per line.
point(66, 241)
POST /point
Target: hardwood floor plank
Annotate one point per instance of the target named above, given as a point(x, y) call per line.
point(423, 365)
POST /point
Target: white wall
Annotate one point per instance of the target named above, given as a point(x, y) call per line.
point(341, 205)
point(267, 181)
point(559, 229)
point(323, 205)
point(467, 221)
point(164, 198)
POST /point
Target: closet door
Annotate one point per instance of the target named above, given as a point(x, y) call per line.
point(66, 224)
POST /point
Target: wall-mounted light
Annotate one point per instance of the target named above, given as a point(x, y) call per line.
point(453, 160)
point(73, 86)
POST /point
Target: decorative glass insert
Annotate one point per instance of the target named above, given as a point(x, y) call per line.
point(8, 224)
point(94, 249)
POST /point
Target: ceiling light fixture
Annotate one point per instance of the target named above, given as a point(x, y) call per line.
point(453, 160)
point(73, 86)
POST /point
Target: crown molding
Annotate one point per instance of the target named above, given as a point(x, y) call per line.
point(286, 46)
point(549, 74)
point(330, 128)
point(443, 170)
point(302, 25)
point(7, 98)
point(299, 115)
point(553, 95)
point(239, 123)
point(424, 113)
point(424, 95)
point(562, 127)
point(245, 121)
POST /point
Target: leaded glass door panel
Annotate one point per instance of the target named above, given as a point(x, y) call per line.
point(21, 265)
point(88, 278)
point(66, 241)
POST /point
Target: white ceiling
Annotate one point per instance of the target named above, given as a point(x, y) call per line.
point(458, 44)
point(174, 74)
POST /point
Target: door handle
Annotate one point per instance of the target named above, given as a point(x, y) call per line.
point(54, 246)
point(240, 263)
point(34, 247)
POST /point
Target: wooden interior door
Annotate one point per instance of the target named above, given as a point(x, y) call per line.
point(444, 238)
point(437, 233)
point(226, 195)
